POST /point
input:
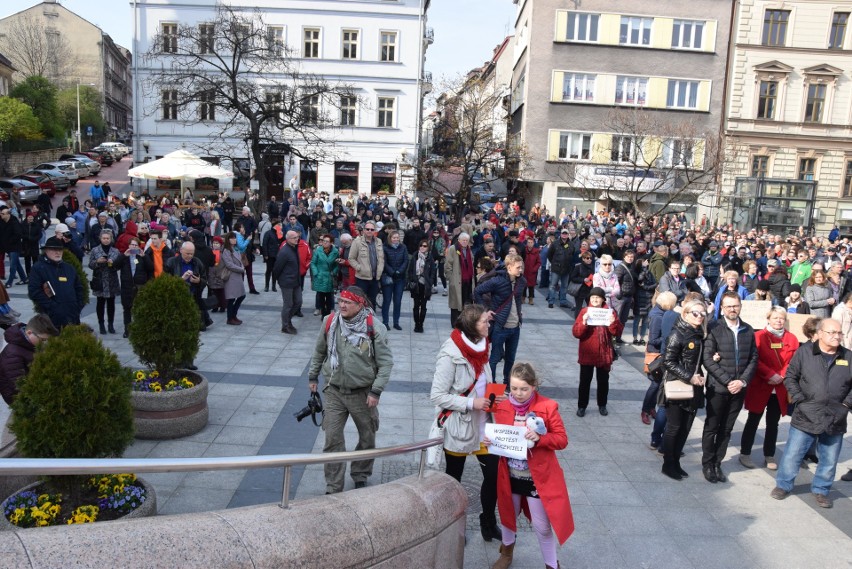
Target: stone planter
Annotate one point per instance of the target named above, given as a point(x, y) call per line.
point(147, 509)
point(171, 414)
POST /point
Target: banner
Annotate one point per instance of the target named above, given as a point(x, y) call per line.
point(598, 316)
point(507, 440)
point(794, 324)
point(754, 312)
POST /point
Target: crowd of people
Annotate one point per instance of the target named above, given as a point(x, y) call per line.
point(681, 281)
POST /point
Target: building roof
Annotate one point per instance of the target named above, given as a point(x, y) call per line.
point(6, 62)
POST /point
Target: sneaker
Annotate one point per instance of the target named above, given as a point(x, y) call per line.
point(779, 493)
point(637, 342)
point(603, 411)
point(317, 312)
point(746, 461)
point(581, 412)
point(646, 418)
point(445, 293)
point(654, 445)
point(360, 484)
point(822, 501)
point(550, 305)
point(619, 341)
point(847, 477)
point(770, 462)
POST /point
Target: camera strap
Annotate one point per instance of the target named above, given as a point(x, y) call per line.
point(316, 396)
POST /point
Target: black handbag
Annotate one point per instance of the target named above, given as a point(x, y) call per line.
point(97, 282)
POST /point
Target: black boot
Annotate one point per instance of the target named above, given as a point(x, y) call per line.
point(103, 328)
point(489, 528)
point(111, 328)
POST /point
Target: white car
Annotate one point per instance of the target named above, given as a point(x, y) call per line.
point(121, 147)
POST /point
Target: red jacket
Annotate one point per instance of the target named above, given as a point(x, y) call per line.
point(545, 469)
point(305, 256)
point(532, 263)
point(596, 341)
point(773, 356)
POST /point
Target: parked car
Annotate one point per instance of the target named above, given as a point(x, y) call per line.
point(104, 156)
point(26, 191)
point(121, 147)
point(43, 182)
point(66, 168)
point(115, 152)
point(60, 180)
point(93, 166)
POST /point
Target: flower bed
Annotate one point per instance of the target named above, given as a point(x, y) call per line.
point(103, 497)
point(169, 409)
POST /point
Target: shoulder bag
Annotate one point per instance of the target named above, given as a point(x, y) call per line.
point(676, 390)
point(435, 454)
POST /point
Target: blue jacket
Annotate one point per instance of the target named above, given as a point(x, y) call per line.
point(741, 290)
point(500, 288)
point(396, 261)
point(655, 330)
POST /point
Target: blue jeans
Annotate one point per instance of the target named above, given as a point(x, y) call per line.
point(659, 425)
point(504, 346)
point(639, 330)
point(393, 291)
point(798, 443)
point(15, 267)
point(560, 281)
point(370, 288)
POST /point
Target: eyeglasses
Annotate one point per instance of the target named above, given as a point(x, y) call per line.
point(832, 332)
point(732, 307)
point(699, 314)
point(606, 264)
point(369, 229)
point(343, 302)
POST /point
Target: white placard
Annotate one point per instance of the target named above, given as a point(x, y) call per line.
point(598, 316)
point(507, 440)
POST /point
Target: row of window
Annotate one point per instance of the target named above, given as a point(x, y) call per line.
point(636, 31)
point(806, 171)
point(769, 96)
point(312, 41)
point(776, 22)
point(310, 108)
point(656, 92)
point(638, 151)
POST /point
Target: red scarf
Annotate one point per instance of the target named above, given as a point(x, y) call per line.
point(477, 359)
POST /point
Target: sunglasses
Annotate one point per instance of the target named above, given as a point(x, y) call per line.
point(699, 314)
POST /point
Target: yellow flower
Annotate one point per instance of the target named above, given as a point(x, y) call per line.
point(140, 375)
point(155, 374)
point(156, 388)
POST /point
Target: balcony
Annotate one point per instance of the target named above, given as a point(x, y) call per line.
point(429, 36)
point(426, 82)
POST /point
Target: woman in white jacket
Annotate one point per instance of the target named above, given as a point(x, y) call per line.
point(459, 389)
point(843, 314)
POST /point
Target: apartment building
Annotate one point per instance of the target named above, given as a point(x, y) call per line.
point(75, 51)
point(376, 46)
point(789, 121)
point(619, 104)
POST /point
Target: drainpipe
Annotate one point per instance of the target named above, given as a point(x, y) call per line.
point(732, 40)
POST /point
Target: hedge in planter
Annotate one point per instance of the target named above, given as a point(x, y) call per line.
point(73, 403)
point(164, 332)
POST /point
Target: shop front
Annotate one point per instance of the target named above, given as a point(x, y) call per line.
point(307, 174)
point(345, 176)
point(384, 178)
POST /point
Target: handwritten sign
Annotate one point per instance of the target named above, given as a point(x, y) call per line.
point(754, 313)
point(598, 316)
point(507, 440)
point(794, 324)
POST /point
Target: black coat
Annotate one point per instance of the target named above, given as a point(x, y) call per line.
point(11, 235)
point(720, 339)
point(682, 360)
point(418, 288)
point(823, 395)
point(65, 306)
point(286, 268)
point(646, 284)
point(15, 360)
point(626, 280)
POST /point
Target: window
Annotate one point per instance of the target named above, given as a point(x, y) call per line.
point(206, 38)
point(574, 146)
point(682, 94)
point(816, 102)
point(275, 105)
point(347, 110)
point(578, 87)
point(687, 34)
point(312, 43)
point(388, 46)
point(350, 44)
point(310, 109)
point(847, 180)
point(631, 91)
point(243, 37)
point(775, 27)
point(767, 99)
point(207, 105)
point(518, 93)
point(583, 27)
point(386, 105)
point(807, 167)
point(169, 97)
point(677, 152)
point(635, 31)
point(275, 40)
point(838, 30)
point(759, 166)
point(625, 149)
point(170, 38)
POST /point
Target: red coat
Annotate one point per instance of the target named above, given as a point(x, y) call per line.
point(544, 466)
point(532, 263)
point(770, 360)
point(596, 341)
point(305, 256)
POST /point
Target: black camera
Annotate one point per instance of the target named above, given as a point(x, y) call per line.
point(313, 408)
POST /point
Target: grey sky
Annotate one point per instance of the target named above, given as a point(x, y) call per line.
point(466, 31)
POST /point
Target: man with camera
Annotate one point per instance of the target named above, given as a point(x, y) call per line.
point(192, 270)
point(353, 354)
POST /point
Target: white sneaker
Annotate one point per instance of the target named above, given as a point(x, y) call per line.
point(317, 312)
point(445, 293)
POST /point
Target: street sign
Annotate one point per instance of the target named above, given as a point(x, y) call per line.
point(89, 131)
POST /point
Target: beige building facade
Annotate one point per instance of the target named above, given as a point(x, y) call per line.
point(789, 117)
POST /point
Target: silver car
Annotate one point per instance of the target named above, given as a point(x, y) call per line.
point(27, 191)
point(60, 180)
point(71, 172)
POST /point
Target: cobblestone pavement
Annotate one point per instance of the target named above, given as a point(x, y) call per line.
point(627, 514)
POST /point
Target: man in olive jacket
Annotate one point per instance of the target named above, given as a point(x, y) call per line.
point(353, 354)
point(819, 382)
point(730, 357)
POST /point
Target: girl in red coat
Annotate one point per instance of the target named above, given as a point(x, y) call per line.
point(532, 263)
point(536, 484)
point(596, 351)
point(766, 392)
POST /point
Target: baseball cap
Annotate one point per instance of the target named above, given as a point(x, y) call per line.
point(62, 228)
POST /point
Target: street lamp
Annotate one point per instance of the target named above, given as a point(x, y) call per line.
point(79, 141)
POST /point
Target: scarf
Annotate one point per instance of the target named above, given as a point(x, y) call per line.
point(353, 330)
point(475, 354)
point(522, 408)
point(776, 333)
point(157, 256)
point(420, 264)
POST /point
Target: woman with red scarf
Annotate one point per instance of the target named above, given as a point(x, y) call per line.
point(537, 484)
point(458, 389)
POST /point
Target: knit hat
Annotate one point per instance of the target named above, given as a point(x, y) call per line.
point(714, 244)
point(796, 288)
point(69, 221)
point(62, 228)
point(763, 285)
point(598, 291)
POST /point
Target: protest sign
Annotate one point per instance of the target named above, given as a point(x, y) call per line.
point(598, 316)
point(754, 313)
point(794, 324)
point(507, 440)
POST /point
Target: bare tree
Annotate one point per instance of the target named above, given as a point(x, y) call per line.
point(235, 74)
point(649, 156)
point(36, 49)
